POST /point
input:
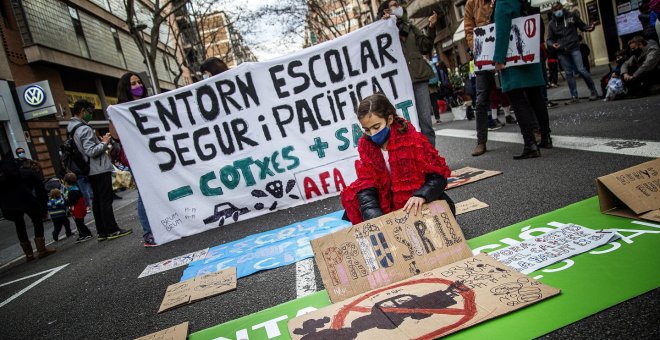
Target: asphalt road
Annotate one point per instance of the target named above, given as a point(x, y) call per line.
point(98, 295)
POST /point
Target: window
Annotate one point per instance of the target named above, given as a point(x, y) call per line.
point(461, 11)
point(115, 35)
point(77, 25)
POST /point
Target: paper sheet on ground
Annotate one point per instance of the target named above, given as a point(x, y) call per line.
point(202, 287)
point(433, 304)
point(173, 263)
point(468, 175)
point(178, 332)
point(469, 205)
point(542, 251)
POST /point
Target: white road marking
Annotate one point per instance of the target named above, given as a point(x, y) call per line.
point(50, 272)
point(629, 147)
point(305, 277)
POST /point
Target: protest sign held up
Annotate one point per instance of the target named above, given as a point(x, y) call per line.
point(262, 136)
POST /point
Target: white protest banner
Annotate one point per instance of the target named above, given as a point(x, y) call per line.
point(544, 250)
point(262, 136)
point(524, 43)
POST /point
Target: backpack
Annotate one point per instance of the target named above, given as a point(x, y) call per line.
point(72, 159)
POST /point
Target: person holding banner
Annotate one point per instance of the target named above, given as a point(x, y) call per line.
point(521, 83)
point(212, 66)
point(398, 167)
point(130, 88)
point(415, 44)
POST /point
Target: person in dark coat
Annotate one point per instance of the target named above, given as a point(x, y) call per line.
point(22, 193)
point(521, 83)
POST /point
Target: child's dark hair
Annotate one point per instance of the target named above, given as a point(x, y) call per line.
point(70, 178)
point(379, 105)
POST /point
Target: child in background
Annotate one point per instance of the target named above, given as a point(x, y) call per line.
point(398, 167)
point(76, 202)
point(615, 88)
point(57, 212)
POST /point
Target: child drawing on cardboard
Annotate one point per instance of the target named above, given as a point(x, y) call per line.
point(398, 167)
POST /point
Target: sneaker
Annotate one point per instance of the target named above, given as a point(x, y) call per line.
point(119, 233)
point(495, 125)
point(551, 104)
point(511, 120)
point(574, 100)
point(82, 239)
point(593, 96)
point(150, 242)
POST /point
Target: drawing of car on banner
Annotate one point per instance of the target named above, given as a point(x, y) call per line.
point(223, 211)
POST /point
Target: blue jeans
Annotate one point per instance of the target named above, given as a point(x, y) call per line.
point(142, 216)
point(86, 189)
point(572, 63)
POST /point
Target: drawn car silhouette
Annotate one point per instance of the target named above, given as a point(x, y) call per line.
point(223, 211)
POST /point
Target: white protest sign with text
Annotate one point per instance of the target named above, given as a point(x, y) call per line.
point(262, 136)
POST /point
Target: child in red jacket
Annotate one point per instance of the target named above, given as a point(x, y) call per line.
point(398, 167)
point(76, 202)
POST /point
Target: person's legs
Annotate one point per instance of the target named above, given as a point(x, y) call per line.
point(435, 96)
point(577, 61)
point(484, 84)
point(57, 227)
point(521, 104)
point(82, 228)
point(17, 217)
point(423, 102)
point(554, 70)
point(542, 120)
point(102, 203)
point(39, 241)
point(67, 226)
point(85, 189)
point(567, 64)
point(142, 216)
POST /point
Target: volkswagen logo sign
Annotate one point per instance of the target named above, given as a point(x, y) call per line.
point(34, 95)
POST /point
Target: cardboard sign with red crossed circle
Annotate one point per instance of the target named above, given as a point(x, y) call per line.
point(433, 304)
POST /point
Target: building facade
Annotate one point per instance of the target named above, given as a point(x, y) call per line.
point(329, 19)
point(222, 40)
point(81, 48)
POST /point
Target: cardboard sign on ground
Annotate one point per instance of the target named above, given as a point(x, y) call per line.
point(469, 205)
point(173, 262)
point(178, 332)
point(550, 248)
point(632, 192)
point(199, 288)
point(468, 175)
point(388, 249)
point(436, 303)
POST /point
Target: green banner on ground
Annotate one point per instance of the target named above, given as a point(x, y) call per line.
point(589, 282)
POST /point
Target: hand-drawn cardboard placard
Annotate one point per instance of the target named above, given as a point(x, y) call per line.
point(469, 205)
point(523, 45)
point(436, 303)
point(199, 288)
point(468, 175)
point(632, 192)
point(388, 249)
point(178, 332)
point(173, 263)
point(544, 250)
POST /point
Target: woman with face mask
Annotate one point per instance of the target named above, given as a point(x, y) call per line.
point(415, 44)
point(130, 88)
point(398, 167)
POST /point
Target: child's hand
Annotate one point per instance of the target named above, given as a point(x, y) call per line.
point(414, 203)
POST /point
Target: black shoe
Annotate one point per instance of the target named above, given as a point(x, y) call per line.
point(511, 120)
point(529, 152)
point(116, 197)
point(546, 143)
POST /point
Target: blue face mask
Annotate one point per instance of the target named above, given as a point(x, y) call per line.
point(21, 155)
point(559, 13)
point(381, 136)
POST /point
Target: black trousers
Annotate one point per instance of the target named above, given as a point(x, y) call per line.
point(104, 217)
point(58, 223)
point(554, 72)
point(82, 228)
point(528, 103)
point(16, 216)
point(484, 83)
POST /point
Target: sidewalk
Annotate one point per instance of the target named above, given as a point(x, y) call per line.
point(10, 249)
point(562, 93)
